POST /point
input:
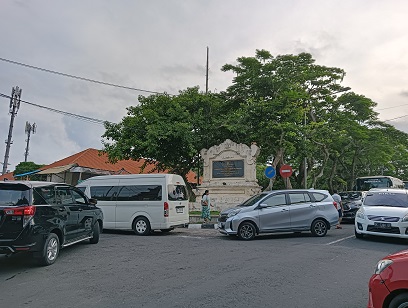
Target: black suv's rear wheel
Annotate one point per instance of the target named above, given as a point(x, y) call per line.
point(95, 234)
point(50, 251)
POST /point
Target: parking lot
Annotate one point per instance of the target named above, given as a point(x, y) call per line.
point(200, 268)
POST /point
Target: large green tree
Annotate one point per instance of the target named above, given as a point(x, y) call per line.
point(166, 130)
point(298, 112)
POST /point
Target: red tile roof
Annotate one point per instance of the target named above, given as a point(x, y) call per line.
point(93, 158)
point(8, 176)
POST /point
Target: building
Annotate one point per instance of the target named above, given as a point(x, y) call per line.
point(89, 163)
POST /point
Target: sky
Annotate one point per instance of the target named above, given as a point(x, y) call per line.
point(161, 46)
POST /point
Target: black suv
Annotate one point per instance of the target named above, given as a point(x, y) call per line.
point(42, 217)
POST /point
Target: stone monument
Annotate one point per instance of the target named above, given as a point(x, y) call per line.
point(229, 173)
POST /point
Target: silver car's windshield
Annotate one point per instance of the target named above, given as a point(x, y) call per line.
point(254, 199)
point(386, 199)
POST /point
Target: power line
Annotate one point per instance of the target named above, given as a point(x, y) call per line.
point(392, 107)
point(396, 118)
point(77, 116)
point(80, 78)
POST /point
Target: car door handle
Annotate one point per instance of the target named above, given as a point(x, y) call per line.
point(61, 209)
point(284, 210)
point(312, 205)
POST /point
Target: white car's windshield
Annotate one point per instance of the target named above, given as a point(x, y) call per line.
point(386, 199)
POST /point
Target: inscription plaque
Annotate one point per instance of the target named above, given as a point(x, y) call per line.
point(228, 169)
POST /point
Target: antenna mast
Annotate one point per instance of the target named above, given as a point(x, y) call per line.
point(28, 130)
point(14, 106)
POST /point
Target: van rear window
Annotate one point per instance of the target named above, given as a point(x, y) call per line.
point(177, 192)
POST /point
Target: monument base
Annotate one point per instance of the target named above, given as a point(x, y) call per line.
point(227, 196)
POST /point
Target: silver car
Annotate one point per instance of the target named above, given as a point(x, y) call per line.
point(292, 210)
point(384, 212)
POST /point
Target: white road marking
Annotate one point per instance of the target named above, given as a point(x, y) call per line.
point(339, 240)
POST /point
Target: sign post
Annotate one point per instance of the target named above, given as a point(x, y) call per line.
point(270, 172)
point(285, 172)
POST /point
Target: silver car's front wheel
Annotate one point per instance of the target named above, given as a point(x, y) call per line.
point(319, 228)
point(246, 231)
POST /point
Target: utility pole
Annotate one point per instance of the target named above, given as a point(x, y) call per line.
point(28, 130)
point(14, 106)
point(206, 72)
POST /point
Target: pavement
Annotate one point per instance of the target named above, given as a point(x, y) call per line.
point(203, 226)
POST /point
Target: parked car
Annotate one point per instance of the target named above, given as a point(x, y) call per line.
point(42, 217)
point(384, 212)
point(352, 201)
point(292, 210)
point(388, 286)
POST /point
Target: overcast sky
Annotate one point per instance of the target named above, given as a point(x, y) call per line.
point(161, 46)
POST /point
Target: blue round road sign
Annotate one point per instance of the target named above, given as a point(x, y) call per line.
point(270, 172)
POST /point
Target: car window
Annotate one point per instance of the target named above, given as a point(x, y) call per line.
point(44, 195)
point(78, 196)
point(140, 193)
point(254, 199)
point(275, 200)
point(14, 195)
point(104, 193)
point(318, 196)
point(299, 198)
point(64, 196)
point(350, 195)
point(177, 192)
point(386, 199)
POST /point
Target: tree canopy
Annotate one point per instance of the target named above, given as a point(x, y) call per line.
point(298, 112)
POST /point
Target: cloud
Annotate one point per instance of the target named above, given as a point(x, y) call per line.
point(161, 46)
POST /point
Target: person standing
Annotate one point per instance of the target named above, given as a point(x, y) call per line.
point(205, 206)
point(339, 205)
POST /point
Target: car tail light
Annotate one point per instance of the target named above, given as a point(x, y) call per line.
point(166, 209)
point(26, 211)
point(335, 204)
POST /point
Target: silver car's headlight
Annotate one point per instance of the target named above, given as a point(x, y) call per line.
point(360, 214)
point(382, 265)
point(233, 213)
point(405, 218)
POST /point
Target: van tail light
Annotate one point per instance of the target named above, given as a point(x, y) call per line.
point(166, 209)
point(26, 211)
point(335, 204)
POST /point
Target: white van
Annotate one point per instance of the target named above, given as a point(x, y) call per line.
point(140, 202)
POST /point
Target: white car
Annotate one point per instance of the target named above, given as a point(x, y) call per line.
point(384, 212)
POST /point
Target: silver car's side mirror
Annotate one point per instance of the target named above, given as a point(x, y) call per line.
point(262, 205)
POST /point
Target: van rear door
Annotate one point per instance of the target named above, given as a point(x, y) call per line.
point(15, 209)
point(178, 211)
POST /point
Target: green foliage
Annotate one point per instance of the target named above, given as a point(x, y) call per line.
point(294, 109)
point(169, 131)
point(25, 167)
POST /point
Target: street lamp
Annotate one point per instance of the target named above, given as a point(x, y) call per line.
point(304, 124)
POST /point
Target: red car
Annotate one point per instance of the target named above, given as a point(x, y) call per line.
point(388, 287)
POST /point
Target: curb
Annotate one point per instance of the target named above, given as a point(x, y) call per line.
point(202, 226)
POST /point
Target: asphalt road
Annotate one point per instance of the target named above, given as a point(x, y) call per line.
point(200, 268)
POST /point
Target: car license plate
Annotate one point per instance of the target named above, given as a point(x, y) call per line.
point(382, 225)
point(179, 209)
